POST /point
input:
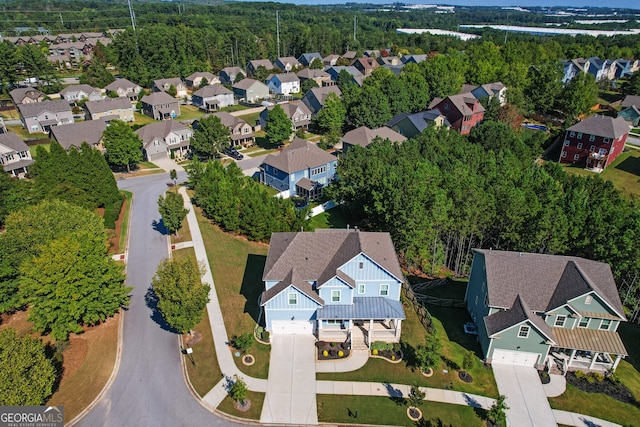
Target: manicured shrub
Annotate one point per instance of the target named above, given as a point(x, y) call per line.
point(340, 353)
point(265, 336)
point(325, 353)
point(374, 351)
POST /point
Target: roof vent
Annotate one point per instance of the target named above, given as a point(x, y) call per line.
point(520, 254)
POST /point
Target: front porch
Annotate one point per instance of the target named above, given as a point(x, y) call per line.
point(596, 162)
point(367, 330)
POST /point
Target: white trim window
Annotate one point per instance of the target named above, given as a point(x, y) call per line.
point(564, 154)
point(384, 290)
point(584, 322)
point(579, 145)
point(592, 138)
point(361, 288)
point(566, 142)
point(605, 324)
point(292, 297)
point(576, 157)
point(560, 321)
point(523, 332)
point(588, 299)
point(335, 296)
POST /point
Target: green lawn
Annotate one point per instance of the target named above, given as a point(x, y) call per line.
point(147, 165)
point(455, 345)
point(124, 230)
point(333, 218)
point(237, 267)
point(379, 410)
point(141, 119)
point(184, 234)
point(256, 398)
point(624, 173)
point(250, 118)
point(10, 114)
point(232, 108)
point(453, 289)
point(34, 148)
point(189, 112)
point(23, 134)
point(270, 190)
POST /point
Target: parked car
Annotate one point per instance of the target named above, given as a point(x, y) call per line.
point(233, 153)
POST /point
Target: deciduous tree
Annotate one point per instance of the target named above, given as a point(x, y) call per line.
point(27, 374)
point(181, 294)
point(331, 116)
point(210, 137)
point(632, 86)
point(279, 128)
point(123, 147)
point(172, 210)
point(579, 95)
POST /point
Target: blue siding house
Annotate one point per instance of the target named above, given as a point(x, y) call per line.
point(302, 169)
point(333, 283)
point(558, 312)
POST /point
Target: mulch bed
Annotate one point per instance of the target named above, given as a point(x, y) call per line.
point(465, 376)
point(332, 351)
point(242, 407)
point(544, 377)
point(192, 339)
point(390, 355)
point(606, 386)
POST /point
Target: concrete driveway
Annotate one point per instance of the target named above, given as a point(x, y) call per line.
point(528, 404)
point(291, 390)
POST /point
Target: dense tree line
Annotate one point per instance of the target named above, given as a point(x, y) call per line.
point(441, 194)
point(241, 205)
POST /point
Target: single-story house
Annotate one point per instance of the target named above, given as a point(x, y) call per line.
point(212, 98)
point(301, 168)
point(14, 154)
point(74, 134)
point(168, 139)
point(251, 91)
point(41, 116)
point(541, 310)
point(363, 136)
point(341, 285)
point(109, 109)
point(160, 106)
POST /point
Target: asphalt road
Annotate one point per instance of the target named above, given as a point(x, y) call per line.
point(149, 389)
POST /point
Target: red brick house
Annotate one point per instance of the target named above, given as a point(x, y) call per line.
point(595, 141)
point(463, 111)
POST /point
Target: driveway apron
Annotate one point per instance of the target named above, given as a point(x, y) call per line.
point(291, 389)
point(528, 404)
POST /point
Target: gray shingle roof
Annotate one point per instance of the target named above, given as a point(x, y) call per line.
point(536, 278)
point(518, 313)
point(311, 73)
point(37, 108)
point(12, 141)
point(20, 93)
point(284, 77)
point(245, 84)
point(212, 90)
point(148, 132)
point(107, 104)
point(74, 134)
point(157, 98)
point(377, 308)
point(123, 84)
point(363, 136)
point(78, 88)
point(318, 255)
point(293, 278)
point(299, 155)
point(604, 126)
point(630, 100)
point(261, 63)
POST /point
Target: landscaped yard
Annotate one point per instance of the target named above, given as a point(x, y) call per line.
point(333, 218)
point(250, 118)
point(184, 234)
point(256, 398)
point(237, 267)
point(141, 119)
point(386, 411)
point(189, 112)
point(624, 173)
point(448, 324)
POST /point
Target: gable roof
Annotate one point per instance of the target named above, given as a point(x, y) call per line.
point(245, 84)
point(228, 119)
point(78, 88)
point(158, 98)
point(13, 141)
point(420, 120)
point(203, 74)
point(284, 60)
point(107, 104)
point(293, 278)
point(232, 71)
point(299, 155)
point(160, 130)
point(604, 126)
point(461, 102)
point(631, 100)
point(537, 277)
point(37, 108)
point(74, 134)
point(161, 83)
point(308, 58)
point(23, 92)
point(321, 93)
point(123, 84)
point(291, 107)
point(212, 90)
point(363, 136)
point(312, 73)
point(255, 63)
point(284, 77)
point(519, 312)
point(318, 255)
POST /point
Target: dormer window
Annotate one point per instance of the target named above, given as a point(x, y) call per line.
point(523, 332)
point(560, 320)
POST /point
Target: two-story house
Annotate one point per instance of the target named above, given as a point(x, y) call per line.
point(194, 81)
point(41, 116)
point(26, 95)
point(411, 125)
point(626, 67)
point(321, 77)
point(296, 111)
point(600, 68)
point(75, 93)
point(631, 109)
point(363, 136)
point(109, 109)
point(489, 90)
point(254, 64)
point(163, 85)
point(315, 97)
point(463, 111)
point(240, 132)
point(212, 98)
point(251, 91)
point(283, 84)
point(307, 58)
point(229, 75)
point(365, 65)
point(125, 89)
point(14, 154)
point(301, 169)
point(595, 141)
point(287, 64)
point(338, 284)
point(160, 106)
point(168, 139)
point(74, 134)
point(545, 310)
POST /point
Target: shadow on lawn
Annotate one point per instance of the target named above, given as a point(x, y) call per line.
point(629, 332)
point(630, 165)
point(453, 319)
point(252, 285)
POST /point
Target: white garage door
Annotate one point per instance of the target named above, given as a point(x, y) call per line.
point(291, 327)
point(509, 357)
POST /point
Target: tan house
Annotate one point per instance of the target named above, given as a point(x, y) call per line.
point(163, 85)
point(125, 89)
point(109, 109)
point(195, 80)
point(14, 155)
point(166, 139)
point(42, 116)
point(26, 95)
point(241, 132)
point(363, 136)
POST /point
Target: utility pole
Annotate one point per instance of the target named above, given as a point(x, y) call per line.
point(278, 31)
point(133, 17)
point(354, 27)
point(61, 21)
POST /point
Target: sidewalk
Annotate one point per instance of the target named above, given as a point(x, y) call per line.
point(228, 367)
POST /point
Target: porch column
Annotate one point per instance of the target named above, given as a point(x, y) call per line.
point(398, 323)
point(370, 332)
point(573, 354)
point(319, 324)
point(615, 363)
point(593, 360)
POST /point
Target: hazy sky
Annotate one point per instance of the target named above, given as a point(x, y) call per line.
point(635, 4)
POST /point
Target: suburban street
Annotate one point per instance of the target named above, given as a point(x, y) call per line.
point(149, 389)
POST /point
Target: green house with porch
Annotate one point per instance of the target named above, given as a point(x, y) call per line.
point(558, 312)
